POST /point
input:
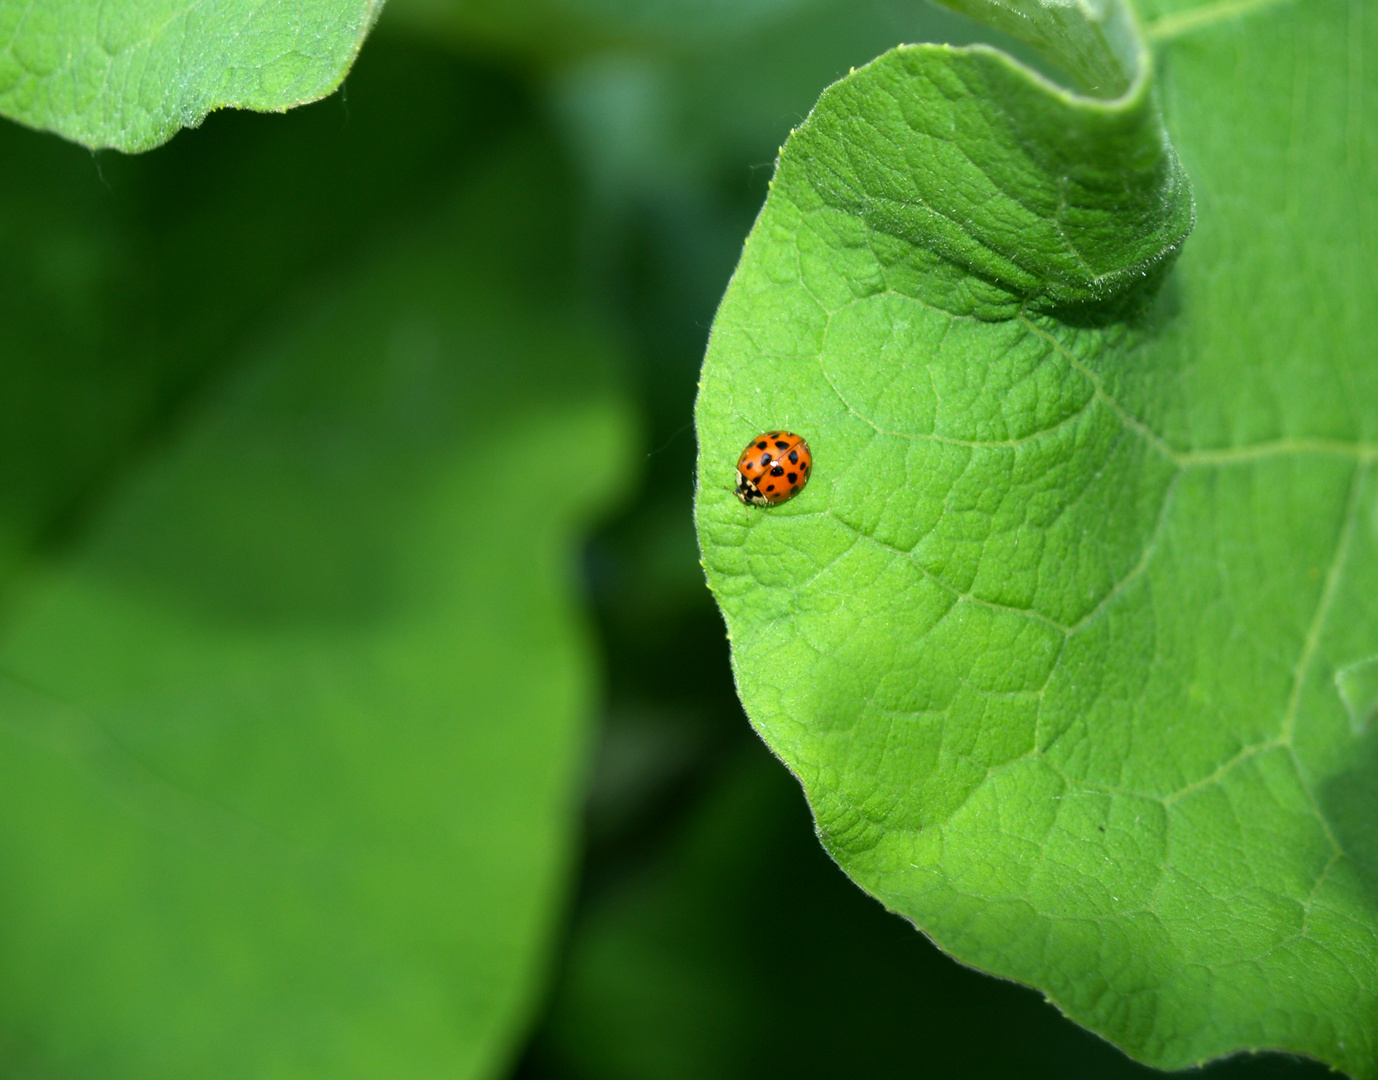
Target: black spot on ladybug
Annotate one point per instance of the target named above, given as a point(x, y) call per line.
point(794, 489)
point(765, 459)
point(777, 470)
point(780, 444)
point(793, 478)
point(794, 457)
point(760, 446)
point(770, 487)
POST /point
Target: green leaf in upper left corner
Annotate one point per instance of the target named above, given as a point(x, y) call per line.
point(128, 74)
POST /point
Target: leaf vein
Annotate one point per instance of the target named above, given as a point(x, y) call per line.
point(1313, 633)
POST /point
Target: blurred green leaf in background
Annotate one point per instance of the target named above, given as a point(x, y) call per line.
point(363, 709)
point(296, 699)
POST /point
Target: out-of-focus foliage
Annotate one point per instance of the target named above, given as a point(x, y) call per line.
point(296, 704)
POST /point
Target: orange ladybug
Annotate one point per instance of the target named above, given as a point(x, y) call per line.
point(773, 467)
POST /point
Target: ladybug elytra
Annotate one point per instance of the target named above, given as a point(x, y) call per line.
point(774, 467)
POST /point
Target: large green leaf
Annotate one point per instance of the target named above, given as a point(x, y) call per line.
point(129, 74)
point(293, 730)
point(1071, 637)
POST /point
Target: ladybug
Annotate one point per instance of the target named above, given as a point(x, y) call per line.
point(773, 467)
